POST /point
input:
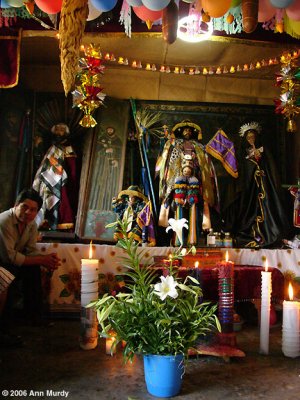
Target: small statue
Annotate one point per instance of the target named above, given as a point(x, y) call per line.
point(134, 207)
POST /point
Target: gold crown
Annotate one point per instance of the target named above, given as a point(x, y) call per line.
point(253, 126)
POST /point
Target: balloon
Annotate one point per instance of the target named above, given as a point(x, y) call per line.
point(235, 3)
point(93, 12)
point(293, 11)
point(15, 3)
point(265, 10)
point(49, 6)
point(104, 5)
point(3, 4)
point(135, 3)
point(281, 3)
point(156, 5)
point(145, 14)
point(216, 8)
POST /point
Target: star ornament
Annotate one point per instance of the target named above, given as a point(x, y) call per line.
point(177, 226)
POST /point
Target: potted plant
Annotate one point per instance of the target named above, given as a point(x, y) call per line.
point(155, 319)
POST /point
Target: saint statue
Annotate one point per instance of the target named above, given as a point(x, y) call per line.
point(184, 144)
point(132, 206)
point(57, 182)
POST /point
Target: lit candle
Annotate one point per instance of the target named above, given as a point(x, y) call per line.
point(197, 271)
point(226, 294)
point(109, 341)
point(266, 290)
point(291, 326)
point(89, 292)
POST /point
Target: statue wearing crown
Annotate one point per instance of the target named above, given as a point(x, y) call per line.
point(184, 150)
point(259, 217)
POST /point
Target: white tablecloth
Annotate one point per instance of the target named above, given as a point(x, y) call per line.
point(63, 289)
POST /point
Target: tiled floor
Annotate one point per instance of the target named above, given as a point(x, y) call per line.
point(51, 363)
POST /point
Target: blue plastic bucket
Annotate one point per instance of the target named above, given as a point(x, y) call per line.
point(163, 374)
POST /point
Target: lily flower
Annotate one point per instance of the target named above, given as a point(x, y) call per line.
point(166, 287)
point(177, 225)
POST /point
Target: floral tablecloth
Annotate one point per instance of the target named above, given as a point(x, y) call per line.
point(63, 287)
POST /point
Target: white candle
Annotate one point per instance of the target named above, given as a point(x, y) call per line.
point(109, 349)
point(266, 290)
point(89, 292)
point(291, 326)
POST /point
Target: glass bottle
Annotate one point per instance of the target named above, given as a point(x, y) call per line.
point(211, 239)
point(219, 241)
point(227, 242)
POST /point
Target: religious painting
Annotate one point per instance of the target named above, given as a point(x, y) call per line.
point(106, 170)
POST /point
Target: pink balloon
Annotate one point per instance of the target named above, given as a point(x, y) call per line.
point(265, 10)
point(49, 6)
point(145, 14)
point(293, 11)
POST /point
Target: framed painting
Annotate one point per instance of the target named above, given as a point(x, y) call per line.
point(104, 174)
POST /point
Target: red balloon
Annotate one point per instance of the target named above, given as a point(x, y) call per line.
point(293, 11)
point(147, 15)
point(265, 10)
point(49, 6)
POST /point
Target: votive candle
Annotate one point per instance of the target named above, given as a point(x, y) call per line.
point(266, 290)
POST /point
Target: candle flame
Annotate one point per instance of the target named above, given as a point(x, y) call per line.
point(266, 266)
point(183, 252)
point(197, 264)
point(226, 256)
point(91, 250)
point(291, 292)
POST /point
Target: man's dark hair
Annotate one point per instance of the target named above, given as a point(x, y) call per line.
point(30, 194)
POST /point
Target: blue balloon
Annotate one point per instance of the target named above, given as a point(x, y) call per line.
point(281, 3)
point(104, 5)
point(3, 4)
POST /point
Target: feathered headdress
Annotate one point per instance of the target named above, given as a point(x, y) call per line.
point(253, 126)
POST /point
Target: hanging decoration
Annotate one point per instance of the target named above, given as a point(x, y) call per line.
point(170, 22)
point(288, 104)
point(88, 95)
point(71, 27)
point(250, 15)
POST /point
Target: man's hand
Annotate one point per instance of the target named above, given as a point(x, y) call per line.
point(51, 261)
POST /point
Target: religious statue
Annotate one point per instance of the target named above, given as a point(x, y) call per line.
point(260, 219)
point(184, 141)
point(187, 203)
point(133, 206)
point(57, 181)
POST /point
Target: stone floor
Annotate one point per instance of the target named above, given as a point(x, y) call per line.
point(51, 362)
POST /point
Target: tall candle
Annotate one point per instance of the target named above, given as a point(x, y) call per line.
point(89, 292)
point(291, 326)
point(266, 290)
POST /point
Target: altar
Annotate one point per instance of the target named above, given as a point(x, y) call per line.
point(63, 286)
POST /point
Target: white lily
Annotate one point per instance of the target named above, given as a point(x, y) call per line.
point(167, 287)
point(177, 225)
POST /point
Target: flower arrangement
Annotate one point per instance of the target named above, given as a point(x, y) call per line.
point(163, 318)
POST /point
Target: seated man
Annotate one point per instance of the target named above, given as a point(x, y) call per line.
point(18, 253)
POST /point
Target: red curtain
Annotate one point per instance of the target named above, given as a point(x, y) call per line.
point(9, 59)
